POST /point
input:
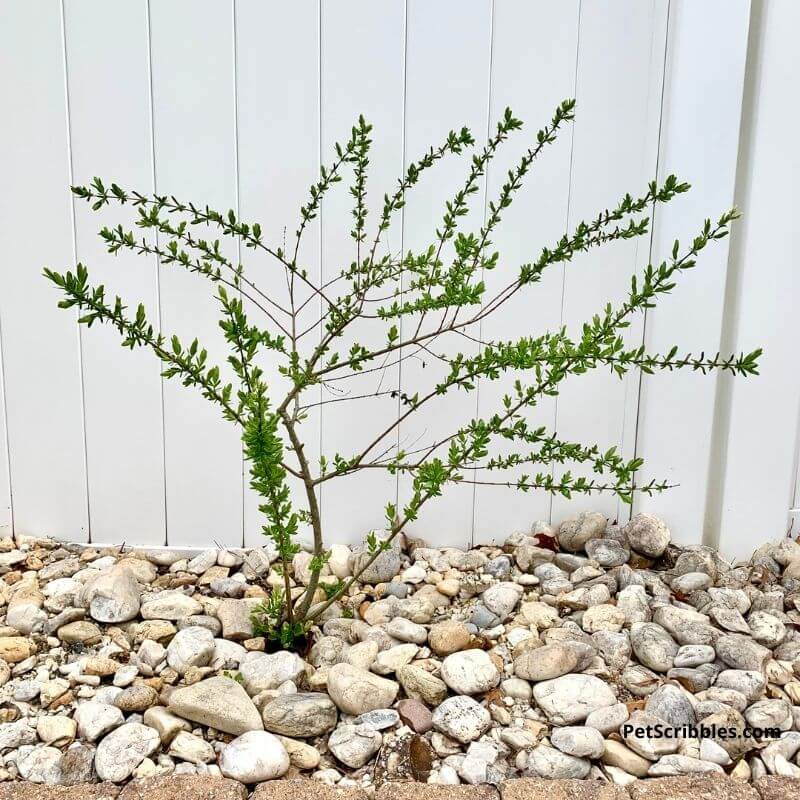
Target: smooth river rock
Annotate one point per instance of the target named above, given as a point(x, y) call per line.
point(470, 672)
point(461, 718)
point(553, 660)
point(571, 698)
point(254, 757)
point(303, 715)
point(119, 753)
point(220, 703)
point(356, 691)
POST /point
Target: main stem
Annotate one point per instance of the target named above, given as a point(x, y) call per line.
point(313, 510)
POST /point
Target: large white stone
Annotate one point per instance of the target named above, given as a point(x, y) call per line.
point(547, 762)
point(742, 652)
point(579, 741)
point(461, 718)
point(470, 672)
point(123, 750)
point(95, 719)
point(219, 703)
point(654, 647)
point(647, 535)
point(573, 533)
point(39, 764)
point(571, 698)
point(191, 647)
point(262, 671)
point(356, 691)
point(354, 745)
point(254, 757)
point(111, 596)
point(303, 714)
point(553, 660)
point(170, 605)
point(502, 598)
point(15, 734)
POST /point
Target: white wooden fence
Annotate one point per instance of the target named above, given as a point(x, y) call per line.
point(235, 102)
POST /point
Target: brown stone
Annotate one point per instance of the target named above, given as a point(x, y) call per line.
point(64, 700)
point(540, 789)
point(184, 787)
point(136, 698)
point(416, 715)
point(774, 787)
point(692, 787)
point(36, 791)
point(448, 637)
point(434, 791)
point(305, 790)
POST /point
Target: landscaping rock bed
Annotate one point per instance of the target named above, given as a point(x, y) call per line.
point(545, 657)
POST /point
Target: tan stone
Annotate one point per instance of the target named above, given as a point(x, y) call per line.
point(212, 574)
point(235, 618)
point(14, 649)
point(156, 629)
point(98, 665)
point(448, 637)
point(136, 698)
point(219, 703)
point(301, 754)
point(80, 631)
point(50, 691)
point(421, 685)
point(166, 723)
point(449, 587)
point(616, 754)
point(540, 789)
point(63, 700)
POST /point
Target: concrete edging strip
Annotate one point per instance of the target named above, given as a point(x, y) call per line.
point(199, 787)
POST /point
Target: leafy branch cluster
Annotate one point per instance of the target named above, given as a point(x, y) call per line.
point(415, 301)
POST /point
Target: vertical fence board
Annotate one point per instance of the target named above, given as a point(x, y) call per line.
point(620, 69)
point(41, 355)
point(794, 511)
point(699, 141)
point(110, 132)
point(757, 462)
point(531, 41)
point(362, 60)
point(446, 88)
point(193, 117)
point(278, 131)
point(5, 475)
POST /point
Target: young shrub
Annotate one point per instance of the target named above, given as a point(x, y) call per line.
point(414, 301)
